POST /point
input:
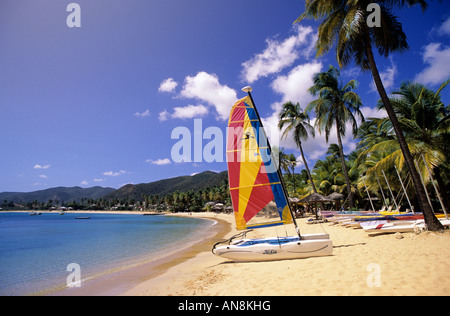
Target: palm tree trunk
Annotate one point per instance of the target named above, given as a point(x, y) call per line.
point(431, 221)
point(344, 166)
point(306, 167)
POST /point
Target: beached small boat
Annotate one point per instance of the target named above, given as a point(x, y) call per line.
point(256, 185)
point(277, 248)
point(399, 226)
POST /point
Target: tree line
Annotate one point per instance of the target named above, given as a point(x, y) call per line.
point(415, 136)
point(178, 201)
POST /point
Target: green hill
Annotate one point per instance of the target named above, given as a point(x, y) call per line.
point(59, 194)
point(196, 182)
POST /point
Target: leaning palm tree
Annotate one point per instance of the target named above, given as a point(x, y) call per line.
point(345, 23)
point(335, 106)
point(297, 121)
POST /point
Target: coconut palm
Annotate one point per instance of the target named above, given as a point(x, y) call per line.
point(425, 121)
point(297, 121)
point(345, 23)
point(335, 106)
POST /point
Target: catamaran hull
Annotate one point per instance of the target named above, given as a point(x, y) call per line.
point(269, 249)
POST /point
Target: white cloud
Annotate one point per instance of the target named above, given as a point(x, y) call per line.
point(279, 54)
point(143, 114)
point(387, 77)
point(438, 59)
point(186, 112)
point(206, 87)
point(163, 116)
point(84, 182)
point(43, 176)
point(444, 29)
point(159, 162)
point(114, 174)
point(41, 167)
point(351, 73)
point(189, 111)
point(99, 180)
point(168, 85)
point(294, 86)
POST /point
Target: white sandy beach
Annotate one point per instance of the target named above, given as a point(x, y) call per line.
point(360, 265)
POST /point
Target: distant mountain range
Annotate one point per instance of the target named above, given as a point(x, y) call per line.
point(196, 182)
point(60, 194)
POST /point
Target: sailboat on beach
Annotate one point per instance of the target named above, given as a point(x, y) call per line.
point(256, 185)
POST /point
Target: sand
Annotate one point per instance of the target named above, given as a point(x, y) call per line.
point(417, 264)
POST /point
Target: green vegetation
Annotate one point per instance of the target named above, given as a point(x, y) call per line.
point(425, 122)
point(343, 23)
point(186, 193)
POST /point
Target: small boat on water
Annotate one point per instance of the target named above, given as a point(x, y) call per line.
point(256, 185)
point(82, 218)
point(35, 213)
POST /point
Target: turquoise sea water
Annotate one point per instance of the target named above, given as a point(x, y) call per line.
point(35, 251)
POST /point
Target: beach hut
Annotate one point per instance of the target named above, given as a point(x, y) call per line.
point(315, 198)
point(336, 197)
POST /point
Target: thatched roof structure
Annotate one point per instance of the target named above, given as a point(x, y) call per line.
point(335, 196)
point(315, 197)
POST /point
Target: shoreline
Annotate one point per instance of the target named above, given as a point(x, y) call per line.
point(381, 265)
point(127, 277)
point(90, 212)
point(182, 270)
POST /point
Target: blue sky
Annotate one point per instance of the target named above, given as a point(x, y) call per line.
point(97, 105)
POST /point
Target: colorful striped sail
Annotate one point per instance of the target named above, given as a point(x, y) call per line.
point(253, 179)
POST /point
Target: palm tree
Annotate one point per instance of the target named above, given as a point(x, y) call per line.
point(334, 107)
point(297, 121)
point(287, 162)
point(345, 22)
point(425, 121)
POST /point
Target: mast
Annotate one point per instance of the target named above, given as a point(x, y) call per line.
point(367, 190)
point(381, 189)
point(424, 186)
point(434, 185)
point(395, 202)
point(404, 189)
point(249, 89)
